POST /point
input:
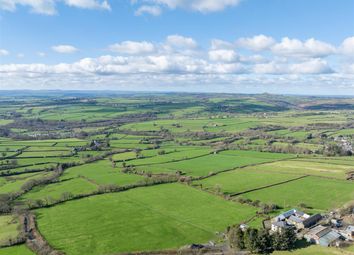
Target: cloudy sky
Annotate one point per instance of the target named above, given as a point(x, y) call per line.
point(240, 46)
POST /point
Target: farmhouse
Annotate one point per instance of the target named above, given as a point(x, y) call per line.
point(280, 226)
point(296, 218)
point(348, 233)
point(323, 236)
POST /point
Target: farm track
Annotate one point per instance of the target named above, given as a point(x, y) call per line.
point(34, 239)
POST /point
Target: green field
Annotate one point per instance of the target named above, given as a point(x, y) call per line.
point(154, 218)
point(205, 165)
point(101, 172)
point(9, 228)
point(13, 184)
point(315, 250)
point(241, 180)
point(317, 193)
point(74, 186)
point(304, 167)
point(138, 172)
point(16, 250)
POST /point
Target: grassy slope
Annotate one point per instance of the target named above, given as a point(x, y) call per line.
point(160, 217)
point(16, 250)
point(314, 250)
point(8, 227)
point(101, 172)
point(214, 163)
point(305, 167)
point(318, 193)
point(74, 186)
point(243, 179)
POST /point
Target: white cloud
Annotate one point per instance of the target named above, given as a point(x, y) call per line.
point(253, 59)
point(222, 55)
point(350, 69)
point(131, 47)
point(41, 54)
point(179, 41)
point(4, 52)
point(148, 9)
point(269, 68)
point(48, 7)
point(89, 4)
point(296, 48)
point(347, 47)
point(66, 49)
point(313, 66)
point(37, 6)
point(20, 55)
point(179, 61)
point(204, 6)
point(220, 44)
point(256, 43)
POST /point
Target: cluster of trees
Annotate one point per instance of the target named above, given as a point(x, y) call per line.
point(261, 241)
point(336, 150)
point(8, 163)
point(47, 201)
point(274, 148)
point(5, 202)
point(13, 241)
point(103, 155)
point(7, 199)
point(265, 208)
point(37, 243)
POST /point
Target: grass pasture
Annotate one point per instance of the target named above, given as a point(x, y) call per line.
point(14, 184)
point(315, 250)
point(241, 180)
point(305, 167)
point(75, 186)
point(205, 165)
point(171, 157)
point(319, 194)
point(9, 228)
point(101, 172)
point(217, 143)
point(16, 250)
point(153, 218)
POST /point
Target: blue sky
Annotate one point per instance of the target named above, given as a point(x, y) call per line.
point(250, 46)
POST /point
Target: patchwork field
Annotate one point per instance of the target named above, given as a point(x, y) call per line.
point(138, 173)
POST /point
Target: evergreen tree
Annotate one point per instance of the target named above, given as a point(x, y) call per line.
point(236, 237)
point(264, 241)
point(251, 240)
point(284, 240)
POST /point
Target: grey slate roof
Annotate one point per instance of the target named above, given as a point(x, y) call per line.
point(328, 238)
point(295, 219)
